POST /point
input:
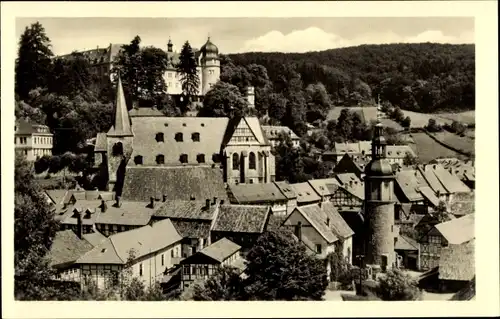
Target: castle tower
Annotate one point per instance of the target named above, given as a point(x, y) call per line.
point(170, 46)
point(379, 205)
point(119, 140)
point(250, 95)
point(210, 66)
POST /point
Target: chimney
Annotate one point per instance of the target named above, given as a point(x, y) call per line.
point(222, 202)
point(192, 197)
point(298, 230)
point(328, 222)
point(118, 202)
point(79, 225)
point(207, 203)
point(350, 183)
point(104, 207)
point(164, 198)
point(215, 201)
point(152, 202)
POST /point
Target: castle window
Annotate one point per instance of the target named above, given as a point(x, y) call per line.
point(169, 75)
point(183, 158)
point(183, 124)
point(195, 137)
point(202, 124)
point(178, 137)
point(159, 137)
point(251, 161)
point(118, 149)
point(236, 162)
point(138, 160)
point(160, 159)
point(200, 158)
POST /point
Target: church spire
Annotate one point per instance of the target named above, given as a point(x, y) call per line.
point(121, 126)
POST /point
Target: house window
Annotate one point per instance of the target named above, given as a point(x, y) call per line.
point(195, 137)
point(183, 158)
point(236, 161)
point(162, 260)
point(138, 160)
point(169, 75)
point(251, 161)
point(250, 180)
point(185, 269)
point(160, 159)
point(178, 137)
point(318, 249)
point(159, 137)
point(200, 158)
point(118, 149)
point(140, 269)
point(172, 253)
point(434, 239)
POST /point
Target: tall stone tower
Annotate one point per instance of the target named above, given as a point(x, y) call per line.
point(210, 66)
point(250, 95)
point(379, 205)
point(119, 140)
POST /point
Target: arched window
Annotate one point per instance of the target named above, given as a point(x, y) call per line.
point(251, 161)
point(160, 159)
point(178, 137)
point(118, 149)
point(236, 162)
point(138, 160)
point(183, 158)
point(200, 158)
point(195, 137)
point(159, 137)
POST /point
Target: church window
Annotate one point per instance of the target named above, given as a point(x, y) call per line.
point(178, 137)
point(200, 158)
point(118, 149)
point(138, 160)
point(251, 161)
point(160, 159)
point(195, 137)
point(236, 162)
point(183, 158)
point(159, 137)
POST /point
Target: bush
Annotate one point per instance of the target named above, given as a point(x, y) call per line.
point(397, 285)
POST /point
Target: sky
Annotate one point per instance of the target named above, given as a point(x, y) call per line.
point(235, 35)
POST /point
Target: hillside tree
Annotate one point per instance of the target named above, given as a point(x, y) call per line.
point(187, 71)
point(222, 100)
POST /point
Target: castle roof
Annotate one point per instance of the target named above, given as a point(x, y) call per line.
point(209, 47)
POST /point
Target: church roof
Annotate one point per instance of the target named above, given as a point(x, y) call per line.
point(252, 123)
point(121, 126)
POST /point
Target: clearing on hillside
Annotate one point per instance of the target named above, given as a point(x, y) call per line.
point(468, 117)
point(368, 114)
point(422, 119)
point(464, 144)
point(428, 149)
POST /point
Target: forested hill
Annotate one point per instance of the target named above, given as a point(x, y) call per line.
point(424, 77)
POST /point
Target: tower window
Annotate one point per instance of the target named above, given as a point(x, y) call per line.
point(160, 159)
point(195, 137)
point(251, 161)
point(318, 249)
point(178, 137)
point(118, 149)
point(138, 160)
point(200, 158)
point(183, 158)
point(236, 161)
point(159, 137)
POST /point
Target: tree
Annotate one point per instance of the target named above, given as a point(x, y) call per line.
point(223, 99)
point(406, 123)
point(187, 71)
point(33, 64)
point(458, 128)
point(318, 102)
point(128, 65)
point(409, 159)
point(72, 76)
point(31, 114)
point(340, 269)
point(279, 268)
point(397, 285)
point(441, 212)
point(224, 284)
point(432, 126)
point(289, 164)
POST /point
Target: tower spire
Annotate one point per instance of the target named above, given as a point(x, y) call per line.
point(121, 126)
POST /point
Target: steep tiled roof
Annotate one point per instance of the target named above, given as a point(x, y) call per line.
point(256, 193)
point(462, 204)
point(193, 228)
point(241, 218)
point(121, 125)
point(101, 143)
point(252, 123)
point(428, 193)
point(305, 193)
point(432, 180)
point(457, 262)
point(23, 127)
point(348, 178)
point(451, 182)
point(221, 249)
point(89, 211)
point(405, 243)
point(56, 195)
point(286, 190)
point(186, 209)
point(409, 184)
point(67, 247)
point(459, 230)
point(455, 166)
point(325, 186)
point(398, 151)
point(349, 148)
point(144, 240)
point(314, 215)
point(273, 132)
point(146, 112)
point(177, 183)
point(129, 213)
point(145, 144)
point(94, 238)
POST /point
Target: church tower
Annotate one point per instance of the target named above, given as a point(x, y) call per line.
point(119, 140)
point(210, 66)
point(379, 204)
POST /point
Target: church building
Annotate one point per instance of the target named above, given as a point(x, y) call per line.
point(147, 154)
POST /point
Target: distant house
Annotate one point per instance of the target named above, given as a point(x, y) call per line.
point(147, 251)
point(242, 224)
point(408, 252)
point(305, 194)
point(454, 232)
point(325, 188)
point(464, 170)
point(33, 140)
point(259, 194)
point(362, 150)
point(287, 190)
point(350, 164)
point(192, 220)
point(462, 204)
point(273, 132)
point(444, 184)
point(322, 229)
point(205, 262)
point(352, 184)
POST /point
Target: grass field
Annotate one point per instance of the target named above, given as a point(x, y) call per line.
point(428, 149)
point(465, 144)
point(468, 117)
point(368, 114)
point(422, 119)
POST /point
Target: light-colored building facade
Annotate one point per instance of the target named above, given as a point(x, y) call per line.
point(33, 140)
point(273, 133)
